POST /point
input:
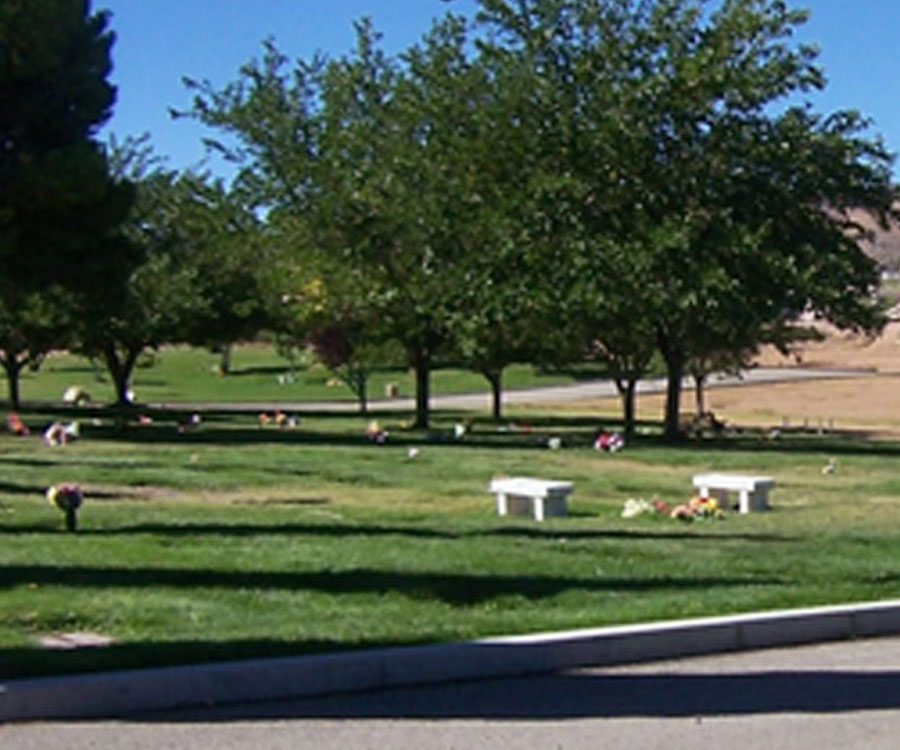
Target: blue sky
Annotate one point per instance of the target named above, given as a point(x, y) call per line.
point(160, 41)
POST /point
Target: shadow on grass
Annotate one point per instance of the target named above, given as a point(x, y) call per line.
point(301, 372)
point(549, 535)
point(22, 461)
point(176, 529)
point(302, 501)
point(74, 367)
point(168, 435)
point(234, 425)
point(224, 426)
point(553, 536)
point(273, 370)
point(846, 444)
point(13, 488)
point(50, 461)
point(17, 663)
point(453, 589)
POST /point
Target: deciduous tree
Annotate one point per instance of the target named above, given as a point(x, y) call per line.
point(158, 299)
point(674, 134)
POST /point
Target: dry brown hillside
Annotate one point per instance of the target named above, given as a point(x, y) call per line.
point(884, 245)
point(841, 349)
point(870, 402)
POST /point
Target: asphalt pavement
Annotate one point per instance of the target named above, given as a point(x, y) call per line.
point(835, 695)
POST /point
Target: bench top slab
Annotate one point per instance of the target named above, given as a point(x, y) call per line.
point(529, 487)
point(726, 481)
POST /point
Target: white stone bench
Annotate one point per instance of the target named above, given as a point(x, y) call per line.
point(526, 496)
point(753, 491)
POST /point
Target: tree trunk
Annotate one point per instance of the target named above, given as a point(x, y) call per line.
point(225, 361)
point(12, 366)
point(120, 370)
point(674, 372)
point(495, 378)
point(421, 361)
point(699, 394)
point(361, 380)
point(627, 390)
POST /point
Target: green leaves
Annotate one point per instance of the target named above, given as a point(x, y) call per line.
point(59, 206)
point(606, 176)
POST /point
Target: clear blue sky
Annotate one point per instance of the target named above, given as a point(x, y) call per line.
point(159, 41)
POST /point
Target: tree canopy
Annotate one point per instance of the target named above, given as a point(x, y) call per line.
point(619, 177)
point(664, 136)
point(59, 207)
point(56, 197)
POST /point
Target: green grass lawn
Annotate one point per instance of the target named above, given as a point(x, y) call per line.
point(237, 541)
point(184, 374)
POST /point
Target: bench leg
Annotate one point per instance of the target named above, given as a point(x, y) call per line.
point(502, 505)
point(556, 505)
point(538, 508)
point(759, 499)
point(744, 497)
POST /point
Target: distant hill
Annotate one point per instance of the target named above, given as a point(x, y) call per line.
point(842, 349)
point(884, 247)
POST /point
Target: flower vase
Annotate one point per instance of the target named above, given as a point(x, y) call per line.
point(72, 519)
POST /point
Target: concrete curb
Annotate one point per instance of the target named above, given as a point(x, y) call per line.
point(128, 692)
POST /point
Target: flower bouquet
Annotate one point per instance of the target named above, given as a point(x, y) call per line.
point(609, 442)
point(696, 508)
point(68, 498)
point(636, 507)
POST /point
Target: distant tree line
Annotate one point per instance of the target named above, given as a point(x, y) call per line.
point(552, 181)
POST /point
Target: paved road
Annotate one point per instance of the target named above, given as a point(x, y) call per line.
point(844, 695)
point(588, 390)
point(605, 388)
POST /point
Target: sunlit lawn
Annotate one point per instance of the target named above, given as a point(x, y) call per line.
point(237, 541)
point(258, 373)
